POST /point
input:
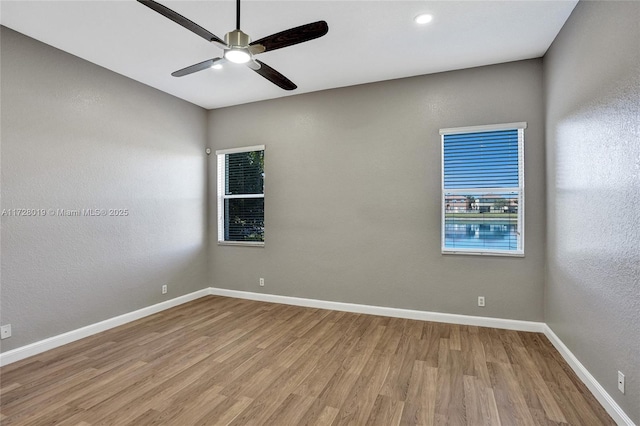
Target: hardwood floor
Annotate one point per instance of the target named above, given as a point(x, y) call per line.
point(219, 360)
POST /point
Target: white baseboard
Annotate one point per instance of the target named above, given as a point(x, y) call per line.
point(596, 388)
point(89, 330)
point(384, 311)
point(598, 391)
point(80, 333)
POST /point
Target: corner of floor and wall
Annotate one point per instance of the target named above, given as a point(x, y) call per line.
point(353, 204)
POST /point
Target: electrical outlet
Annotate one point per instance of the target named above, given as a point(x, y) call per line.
point(261, 282)
point(5, 331)
point(164, 289)
point(620, 381)
point(481, 301)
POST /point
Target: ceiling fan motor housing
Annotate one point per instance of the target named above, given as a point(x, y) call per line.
point(237, 38)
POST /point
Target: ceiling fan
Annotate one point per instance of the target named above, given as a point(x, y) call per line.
point(238, 47)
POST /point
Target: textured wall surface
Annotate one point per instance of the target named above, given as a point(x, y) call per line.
point(76, 136)
point(353, 194)
point(592, 79)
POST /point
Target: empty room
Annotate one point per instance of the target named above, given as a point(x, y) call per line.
point(270, 212)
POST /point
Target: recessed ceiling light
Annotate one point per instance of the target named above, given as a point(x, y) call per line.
point(424, 18)
point(217, 66)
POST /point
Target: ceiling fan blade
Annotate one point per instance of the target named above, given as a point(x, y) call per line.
point(179, 19)
point(256, 49)
point(293, 36)
point(197, 67)
point(254, 65)
point(274, 76)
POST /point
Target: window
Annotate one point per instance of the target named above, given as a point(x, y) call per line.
point(483, 190)
point(241, 196)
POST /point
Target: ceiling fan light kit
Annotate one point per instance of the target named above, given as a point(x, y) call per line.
point(237, 45)
point(237, 55)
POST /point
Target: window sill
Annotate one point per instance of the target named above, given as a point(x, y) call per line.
point(242, 243)
point(484, 253)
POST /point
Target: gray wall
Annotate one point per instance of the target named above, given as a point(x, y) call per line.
point(353, 194)
point(592, 86)
point(76, 136)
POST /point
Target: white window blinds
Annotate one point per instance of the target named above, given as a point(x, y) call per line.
point(241, 196)
point(483, 189)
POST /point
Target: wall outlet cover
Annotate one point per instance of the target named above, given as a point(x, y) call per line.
point(5, 331)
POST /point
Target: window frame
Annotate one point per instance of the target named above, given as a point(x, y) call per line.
point(222, 196)
point(519, 252)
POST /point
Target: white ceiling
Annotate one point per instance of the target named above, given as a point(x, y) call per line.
point(367, 41)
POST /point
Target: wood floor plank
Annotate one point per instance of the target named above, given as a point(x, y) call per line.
point(505, 377)
point(292, 409)
point(386, 411)
point(42, 401)
point(187, 411)
point(480, 403)
point(319, 415)
point(346, 375)
point(156, 397)
point(419, 408)
point(150, 417)
point(539, 386)
point(36, 386)
point(317, 380)
point(360, 400)
point(219, 360)
point(397, 381)
point(450, 402)
point(225, 413)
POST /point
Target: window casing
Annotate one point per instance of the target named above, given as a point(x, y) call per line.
point(241, 196)
point(483, 190)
